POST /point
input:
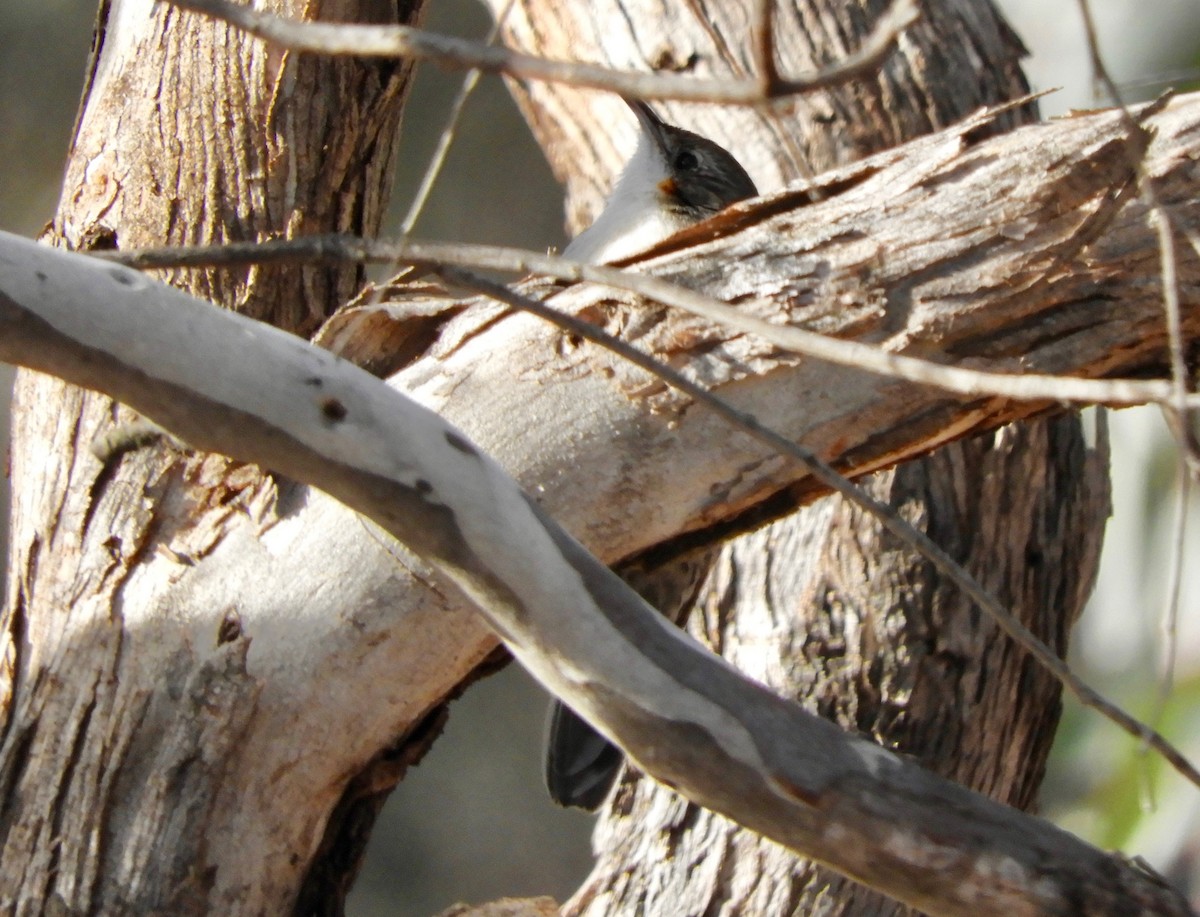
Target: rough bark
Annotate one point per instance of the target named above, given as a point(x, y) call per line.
point(135, 733)
point(694, 722)
point(914, 251)
point(820, 606)
point(172, 622)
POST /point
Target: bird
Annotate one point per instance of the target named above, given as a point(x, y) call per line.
point(581, 765)
point(673, 180)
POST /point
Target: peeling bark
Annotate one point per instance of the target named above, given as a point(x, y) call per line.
point(688, 718)
point(174, 623)
point(821, 606)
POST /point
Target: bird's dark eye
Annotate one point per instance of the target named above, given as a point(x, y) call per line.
point(685, 161)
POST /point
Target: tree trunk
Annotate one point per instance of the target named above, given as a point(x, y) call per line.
point(143, 764)
point(823, 606)
point(177, 628)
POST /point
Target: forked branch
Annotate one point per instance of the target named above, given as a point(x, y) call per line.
point(350, 39)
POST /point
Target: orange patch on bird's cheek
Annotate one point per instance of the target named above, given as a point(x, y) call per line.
point(667, 187)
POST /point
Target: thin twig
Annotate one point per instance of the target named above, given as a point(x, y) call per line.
point(447, 260)
point(433, 169)
point(1178, 404)
point(833, 479)
point(954, 379)
point(1170, 618)
point(438, 159)
point(764, 48)
point(1160, 216)
point(359, 40)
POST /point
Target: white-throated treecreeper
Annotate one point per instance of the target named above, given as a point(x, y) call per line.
point(674, 179)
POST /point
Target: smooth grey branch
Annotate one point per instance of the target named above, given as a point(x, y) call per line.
point(228, 384)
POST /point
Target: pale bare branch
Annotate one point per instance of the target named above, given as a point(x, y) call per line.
point(1036, 387)
point(404, 41)
point(831, 478)
point(733, 747)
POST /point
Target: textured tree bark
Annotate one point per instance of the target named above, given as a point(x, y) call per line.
point(822, 606)
point(161, 655)
point(134, 738)
point(727, 742)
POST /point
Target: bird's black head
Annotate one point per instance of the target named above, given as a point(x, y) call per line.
point(703, 177)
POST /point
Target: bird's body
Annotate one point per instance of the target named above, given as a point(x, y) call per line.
point(673, 180)
point(619, 233)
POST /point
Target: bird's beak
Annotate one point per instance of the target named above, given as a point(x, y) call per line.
point(651, 123)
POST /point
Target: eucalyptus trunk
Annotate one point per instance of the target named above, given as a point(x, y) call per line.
point(211, 675)
point(822, 605)
point(142, 766)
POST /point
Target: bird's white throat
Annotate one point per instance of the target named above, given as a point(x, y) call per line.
point(635, 216)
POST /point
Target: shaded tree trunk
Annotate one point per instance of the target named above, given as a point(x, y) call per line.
point(823, 606)
point(166, 669)
point(134, 733)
